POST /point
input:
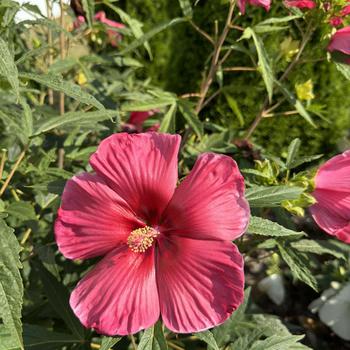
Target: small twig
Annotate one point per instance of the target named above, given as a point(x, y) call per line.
point(210, 98)
point(239, 69)
point(15, 166)
point(26, 236)
point(174, 346)
point(270, 115)
point(203, 33)
point(192, 94)
point(241, 29)
point(49, 41)
point(60, 162)
point(215, 59)
point(133, 342)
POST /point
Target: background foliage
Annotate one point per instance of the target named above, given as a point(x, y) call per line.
point(62, 90)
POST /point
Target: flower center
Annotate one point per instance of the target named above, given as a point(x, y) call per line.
point(141, 239)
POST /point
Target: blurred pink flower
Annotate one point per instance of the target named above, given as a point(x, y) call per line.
point(309, 4)
point(336, 21)
point(340, 42)
point(345, 11)
point(332, 192)
point(113, 36)
point(262, 3)
point(167, 249)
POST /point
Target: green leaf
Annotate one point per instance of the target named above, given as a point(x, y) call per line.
point(47, 23)
point(15, 124)
point(58, 297)
point(56, 82)
point(11, 290)
point(153, 338)
point(168, 121)
point(293, 151)
point(208, 337)
point(108, 342)
point(191, 117)
point(302, 160)
point(40, 338)
point(186, 8)
point(298, 265)
point(277, 342)
point(89, 9)
point(148, 104)
point(77, 118)
point(261, 196)
point(21, 210)
point(264, 227)
point(264, 61)
point(343, 69)
point(135, 25)
point(296, 104)
point(318, 247)
point(8, 68)
point(235, 109)
point(157, 29)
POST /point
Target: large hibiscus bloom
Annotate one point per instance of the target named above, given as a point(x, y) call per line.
point(340, 43)
point(167, 250)
point(302, 4)
point(332, 192)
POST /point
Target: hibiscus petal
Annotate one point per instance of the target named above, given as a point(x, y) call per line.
point(200, 282)
point(119, 296)
point(335, 174)
point(141, 168)
point(209, 203)
point(92, 219)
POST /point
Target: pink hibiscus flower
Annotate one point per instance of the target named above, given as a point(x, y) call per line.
point(302, 4)
point(340, 42)
point(262, 3)
point(136, 120)
point(332, 192)
point(345, 11)
point(167, 249)
point(113, 36)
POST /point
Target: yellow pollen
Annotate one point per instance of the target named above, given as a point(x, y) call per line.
point(141, 239)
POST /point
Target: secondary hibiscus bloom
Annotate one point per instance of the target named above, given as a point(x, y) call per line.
point(167, 250)
point(136, 120)
point(340, 42)
point(113, 36)
point(262, 3)
point(302, 4)
point(332, 192)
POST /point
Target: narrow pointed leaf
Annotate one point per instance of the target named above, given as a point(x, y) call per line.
point(153, 339)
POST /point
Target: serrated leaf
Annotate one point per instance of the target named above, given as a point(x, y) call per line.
point(302, 160)
point(235, 109)
point(153, 338)
point(134, 25)
point(186, 8)
point(264, 61)
point(148, 104)
point(208, 338)
point(264, 227)
point(73, 118)
point(108, 342)
point(343, 69)
point(271, 196)
point(293, 151)
point(318, 247)
point(167, 124)
point(89, 9)
point(8, 67)
point(58, 297)
point(56, 82)
point(11, 290)
point(298, 265)
point(296, 103)
point(144, 38)
point(277, 342)
point(40, 338)
point(191, 117)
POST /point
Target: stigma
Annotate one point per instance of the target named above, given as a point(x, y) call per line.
point(141, 239)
